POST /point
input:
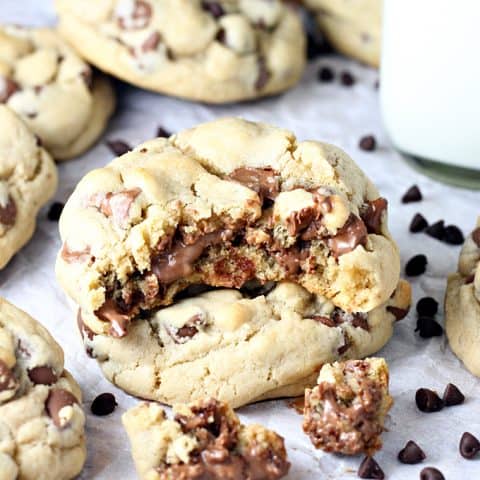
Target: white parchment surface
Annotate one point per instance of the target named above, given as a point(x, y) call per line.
point(312, 110)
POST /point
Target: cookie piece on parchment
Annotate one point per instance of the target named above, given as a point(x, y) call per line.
point(345, 412)
point(240, 347)
point(55, 92)
point(211, 51)
point(351, 27)
point(462, 304)
point(28, 178)
point(205, 439)
point(223, 204)
point(41, 421)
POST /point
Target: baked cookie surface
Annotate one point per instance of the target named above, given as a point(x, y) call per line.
point(204, 440)
point(240, 348)
point(462, 304)
point(41, 421)
point(212, 51)
point(223, 204)
point(28, 180)
point(53, 90)
point(352, 27)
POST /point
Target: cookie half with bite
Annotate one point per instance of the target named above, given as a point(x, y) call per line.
point(462, 304)
point(41, 420)
point(28, 179)
point(223, 204)
point(55, 92)
point(205, 439)
point(345, 412)
point(210, 51)
point(240, 346)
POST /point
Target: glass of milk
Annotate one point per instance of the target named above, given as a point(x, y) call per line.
point(430, 85)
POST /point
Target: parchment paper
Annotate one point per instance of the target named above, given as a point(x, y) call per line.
point(312, 110)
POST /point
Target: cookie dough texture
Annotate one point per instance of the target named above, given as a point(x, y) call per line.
point(204, 439)
point(240, 349)
point(353, 27)
point(41, 422)
point(210, 51)
point(53, 90)
point(224, 203)
point(462, 304)
point(28, 179)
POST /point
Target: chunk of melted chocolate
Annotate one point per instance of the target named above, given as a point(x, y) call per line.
point(373, 215)
point(111, 312)
point(264, 181)
point(8, 212)
point(352, 234)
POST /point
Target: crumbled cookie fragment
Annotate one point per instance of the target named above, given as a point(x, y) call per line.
point(205, 440)
point(345, 412)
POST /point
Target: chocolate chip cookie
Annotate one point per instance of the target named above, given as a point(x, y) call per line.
point(352, 28)
point(41, 421)
point(204, 440)
point(53, 90)
point(345, 412)
point(240, 346)
point(462, 304)
point(223, 204)
point(211, 51)
point(28, 178)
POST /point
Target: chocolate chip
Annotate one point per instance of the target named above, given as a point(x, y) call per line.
point(162, 133)
point(352, 234)
point(8, 213)
point(214, 8)
point(55, 211)
point(7, 89)
point(453, 235)
point(111, 312)
point(263, 74)
point(476, 236)
point(428, 401)
point(398, 313)
point(118, 147)
point(430, 473)
point(42, 375)
point(469, 446)
point(374, 214)
point(427, 306)
point(418, 223)
point(416, 266)
point(347, 79)
point(367, 143)
point(452, 396)
point(411, 454)
point(316, 46)
point(413, 194)
point(103, 404)
point(436, 230)
point(325, 74)
point(427, 327)
point(56, 400)
point(369, 468)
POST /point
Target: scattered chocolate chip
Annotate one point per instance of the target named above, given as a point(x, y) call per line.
point(427, 306)
point(369, 468)
point(325, 74)
point(430, 473)
point(373, 215)
point(56, 400)
point(162, 133)
point(413, 194)
point(427, 327)
point(453, 235)
point(418, 223)
point(42, 375)
point(436, 230)
point(347, 79)
point(8, 213)
point(103, 404)
point(411, 454)
point(214, 8)
point(452, 396)
point(416, 266)
point(428, 401)
point(55, 211)
point(469, 446)
point(118, 147)
point(367, 143)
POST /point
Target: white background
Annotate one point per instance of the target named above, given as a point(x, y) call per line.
point(312, 110)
